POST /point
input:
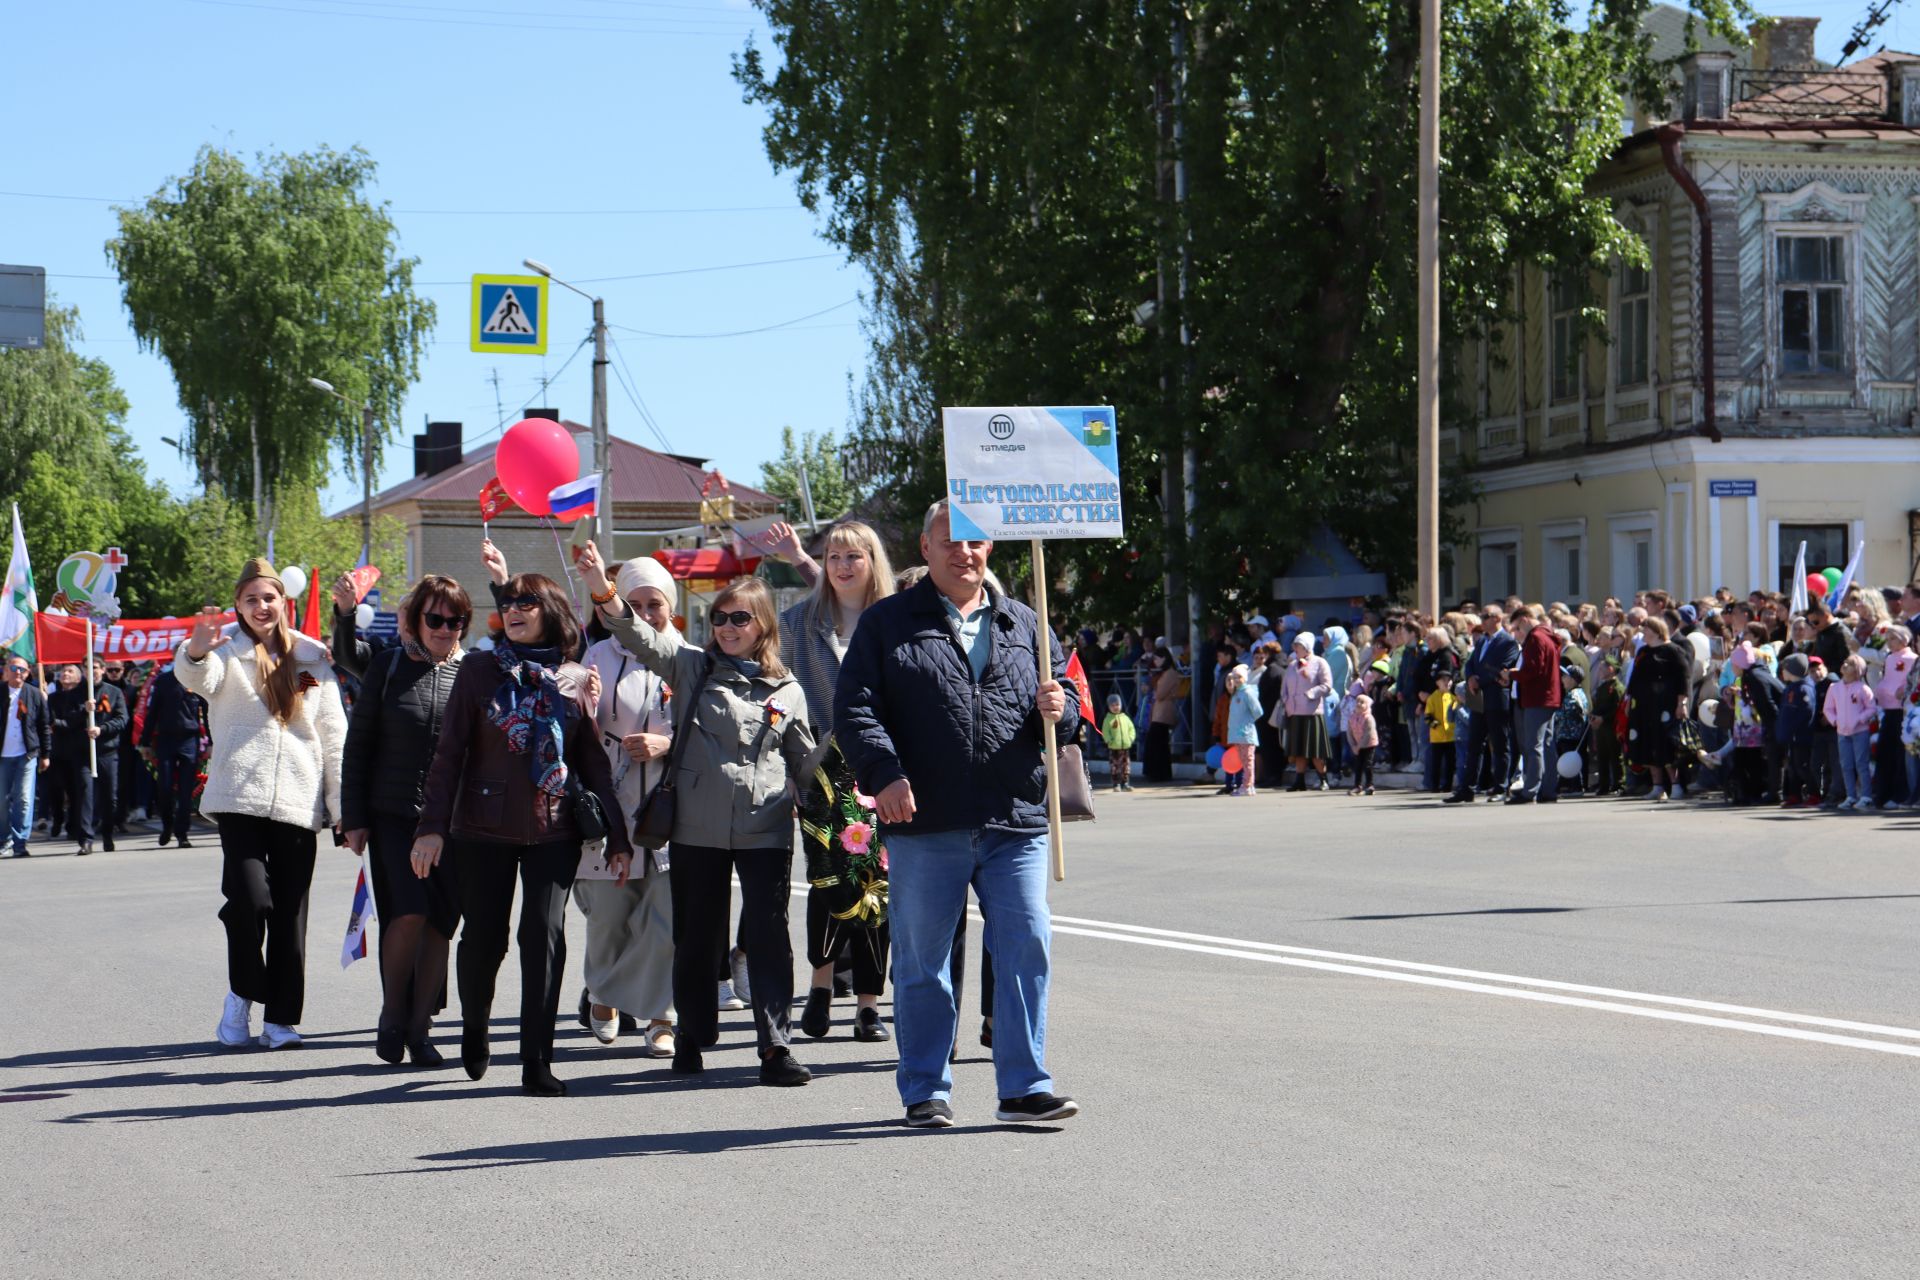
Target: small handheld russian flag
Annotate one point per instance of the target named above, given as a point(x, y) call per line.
point(576, 499)
point(355, 945)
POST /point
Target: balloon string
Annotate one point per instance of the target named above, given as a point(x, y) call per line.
point(566, 570)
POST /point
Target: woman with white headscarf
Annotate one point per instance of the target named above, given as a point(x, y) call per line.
point(1303, 693)
point(629, 960)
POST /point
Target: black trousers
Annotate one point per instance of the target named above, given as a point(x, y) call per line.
point(266, 871)
point(1156, 759)
point(828, 939)
point(76, 792)
point(178, 772)
point(106, 797)
point(1889, 762)
point(1492, 733)
point(484, 873)
point(701, 879)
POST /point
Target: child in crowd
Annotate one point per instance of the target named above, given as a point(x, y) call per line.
point(1243, 718)
point(1748, 783)
point(1118, 733)
point(1441, 705)
point(1855, 716)
point(1608, 693)
point(1570, 727)
point(1827, 788)
point(1363, 735)
point(1793, 731)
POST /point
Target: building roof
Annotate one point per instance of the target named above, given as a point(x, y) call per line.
point(639, 475)
point(1856, 91)
point(1668, 26)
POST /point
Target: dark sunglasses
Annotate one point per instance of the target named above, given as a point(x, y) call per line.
point(522, 604)
point(445, 621)
point(738, 618)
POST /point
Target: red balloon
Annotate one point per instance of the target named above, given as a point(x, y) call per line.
point(1817, 587)
point(535, 456)
point(1231, 761)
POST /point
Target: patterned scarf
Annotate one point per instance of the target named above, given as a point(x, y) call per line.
point(530, 709)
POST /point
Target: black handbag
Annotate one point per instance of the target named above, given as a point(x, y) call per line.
point(653, 820)
point(589, 817)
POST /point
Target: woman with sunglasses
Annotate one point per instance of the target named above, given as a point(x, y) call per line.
point(517, 755)
point(740, 724)
point(391, 738)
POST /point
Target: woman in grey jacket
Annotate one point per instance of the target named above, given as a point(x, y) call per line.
point(813, 639)
point(740, 732)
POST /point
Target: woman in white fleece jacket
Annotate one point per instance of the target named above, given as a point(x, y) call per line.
point(273, 709)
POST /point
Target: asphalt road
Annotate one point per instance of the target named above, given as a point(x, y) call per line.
point(1269, 1088)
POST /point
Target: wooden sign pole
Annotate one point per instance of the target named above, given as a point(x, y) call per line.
point(1055, 840)
point(93, 746)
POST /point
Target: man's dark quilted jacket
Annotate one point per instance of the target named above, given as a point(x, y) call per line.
point(907, 707)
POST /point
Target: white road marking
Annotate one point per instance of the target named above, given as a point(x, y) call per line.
point(1541, 990)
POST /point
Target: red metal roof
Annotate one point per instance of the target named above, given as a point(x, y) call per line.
point(639, 474)
point(706, 562)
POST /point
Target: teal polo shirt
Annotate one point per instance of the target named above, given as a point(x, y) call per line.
point(975, 638)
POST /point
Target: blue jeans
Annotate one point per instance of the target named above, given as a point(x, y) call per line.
point(927, 884)
point(17, 776)
point(1541, 776)
point(1856, 756)
point(1463, 757)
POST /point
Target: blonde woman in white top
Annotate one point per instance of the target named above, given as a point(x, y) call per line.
point(278, 730)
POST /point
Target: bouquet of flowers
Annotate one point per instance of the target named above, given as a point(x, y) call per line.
point(846, 857)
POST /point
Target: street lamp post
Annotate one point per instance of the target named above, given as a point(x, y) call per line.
point(1427, 495)
point(602, 445)
point(366, 466)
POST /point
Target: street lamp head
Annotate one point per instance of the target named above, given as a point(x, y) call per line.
point(169, 440)
point(532, 264)
point(319, 385)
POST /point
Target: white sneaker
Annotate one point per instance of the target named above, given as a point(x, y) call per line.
point(275, 1036)
point(1659, 795)
point(728, 999)
point(737, 962)
point(660, 1041)
point(606, 1030)
point(1845, 805)
point(235, 1022)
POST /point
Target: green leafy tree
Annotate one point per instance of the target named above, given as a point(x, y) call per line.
point(248, 282)
point(56, 402)
point(310, 538)
point(1019, 178)
point(832, 495)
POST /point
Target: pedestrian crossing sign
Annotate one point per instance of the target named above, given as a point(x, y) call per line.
point(510, 314)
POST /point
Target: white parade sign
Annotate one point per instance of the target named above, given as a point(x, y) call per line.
point(1025, 472)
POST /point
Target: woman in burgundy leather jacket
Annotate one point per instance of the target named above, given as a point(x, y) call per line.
point(516, 749)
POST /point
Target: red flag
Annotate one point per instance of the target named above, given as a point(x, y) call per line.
point(494, 500)
point(310, 615)
point(1078, 674)
point(363, 579)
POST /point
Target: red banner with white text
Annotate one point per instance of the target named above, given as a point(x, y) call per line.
point(128, 640)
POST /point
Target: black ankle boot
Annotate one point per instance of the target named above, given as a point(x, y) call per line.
point(538, 1081)
point(423, 1053)
point(474, 1048)
point(389, 1045)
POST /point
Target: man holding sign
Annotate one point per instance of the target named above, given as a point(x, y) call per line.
point(940, 709)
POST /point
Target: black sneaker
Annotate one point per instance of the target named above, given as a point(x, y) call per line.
point(1036, 1108)
point(817, 1017)
point(931, 1114)
point(782, 1071)
point(867, 1026)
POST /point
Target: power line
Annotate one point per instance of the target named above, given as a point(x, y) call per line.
point(711, 15)
point(475, 213)
point(639, 275)
point(469, 22)
point(739, 333)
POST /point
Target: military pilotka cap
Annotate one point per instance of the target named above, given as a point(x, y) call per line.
point(259, 567)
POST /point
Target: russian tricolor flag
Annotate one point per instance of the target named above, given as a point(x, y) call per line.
point(355, 945)
point(576, 498)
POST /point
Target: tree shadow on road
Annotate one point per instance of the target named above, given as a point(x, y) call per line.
point(625, 1146)
point(1628, 906)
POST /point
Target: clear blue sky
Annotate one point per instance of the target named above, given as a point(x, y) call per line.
point(521, 120)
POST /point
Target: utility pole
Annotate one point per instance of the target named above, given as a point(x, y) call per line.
point(1189, 452)
point(1427, 505)
point(366, 483)
point(602, 448)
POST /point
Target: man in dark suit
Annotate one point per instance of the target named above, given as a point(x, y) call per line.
point(110, 721)
point(171, 736)
point(1489, 672)
point(23, 751)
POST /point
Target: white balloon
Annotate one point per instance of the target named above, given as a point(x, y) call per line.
point(295, 579)
point(1569, 765)
point(363, 616)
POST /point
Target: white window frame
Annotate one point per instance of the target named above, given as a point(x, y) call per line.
point(1567, 317)
point(1500, 537)
point(1621, 527)
point(1554, 538)
point(1624, 341)
point(1816, 209)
